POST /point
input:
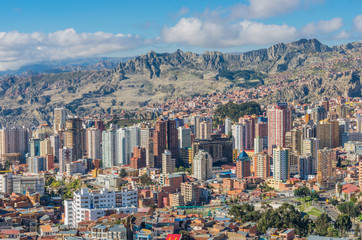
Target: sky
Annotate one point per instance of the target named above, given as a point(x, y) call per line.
point(43, 30)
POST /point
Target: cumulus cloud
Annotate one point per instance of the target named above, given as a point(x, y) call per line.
point(18, 49)
point(220, 33)
point(357, 21)
point(323, 26)
point(263, 8)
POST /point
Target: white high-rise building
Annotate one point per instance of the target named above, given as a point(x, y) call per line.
point(202, 166)
point(124, 150)
point(238, 136)
point(135, 137)
point(91, 205)
point(10, 183)
point(280, 163)
point(109, 148)
point(227, 126)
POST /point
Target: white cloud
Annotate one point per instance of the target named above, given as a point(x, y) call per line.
point(343, 34)
point(263, 8)
point(322, 27)
point(220, 33)
point(357, 21)
point(18, 49)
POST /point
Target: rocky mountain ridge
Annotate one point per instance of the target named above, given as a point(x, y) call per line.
point(158, 77)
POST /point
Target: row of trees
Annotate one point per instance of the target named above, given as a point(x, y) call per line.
point(287, 216)
point(305, 192)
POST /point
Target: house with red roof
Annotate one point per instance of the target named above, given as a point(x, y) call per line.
point(348, 190)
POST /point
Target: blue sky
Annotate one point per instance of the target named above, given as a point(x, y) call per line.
point(40, 30)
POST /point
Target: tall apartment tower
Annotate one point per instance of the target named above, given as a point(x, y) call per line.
point(205, 129)
point(326, 172)
point(261, 165)
point(165, 137)
point(146, 142)
point(310, 148)
point(280, 163)
point(94, 143)
point(243, 165)
point(202, 166)
point(109, 148)
point(59, 119)
point(74, 136)
point(279, 122)
point(239, 136)
point(168, 163)
point(14, 140)
point(328, 133)
point(124, 151)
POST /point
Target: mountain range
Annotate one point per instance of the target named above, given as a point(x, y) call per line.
point(113, 85)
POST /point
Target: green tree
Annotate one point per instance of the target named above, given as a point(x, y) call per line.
point(357, 231)
point(339, 187)
point(322, 223)
point(343, 223)
point(122, 173)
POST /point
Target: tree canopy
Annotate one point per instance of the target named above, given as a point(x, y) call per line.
point(235, 111)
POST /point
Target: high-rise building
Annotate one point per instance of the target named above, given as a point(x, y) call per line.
point(139, 158)
point(293, 140)
point(36, 164)
point(261, 165)
point(310, 148)
point(205, 129)
point(305, 166)
point(123, 146)
point(168, 163)
point(34, 145)
point(280, 163)
point(249, 122)
point(65, 156)
point(202, 166)
point(328, 133)
point(184, 137)
point(74, 136)
point(146, 142)
point(109, 148)
point(239, 136)
point(227, 126)
point(165, 137)
point(326, 171)
point(341, 110)
point(46, 147)
point(359, 123)
point(56, 144)
point(318, 114)
point(258, 145)
point(14, 140)
point(59, 119)
point(94, 143)
point(243, 165)
point(309, 130)
point(279, 122)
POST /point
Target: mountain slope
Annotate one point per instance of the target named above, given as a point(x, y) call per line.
point(304, 69)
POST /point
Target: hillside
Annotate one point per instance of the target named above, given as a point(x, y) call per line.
point(297, 70)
